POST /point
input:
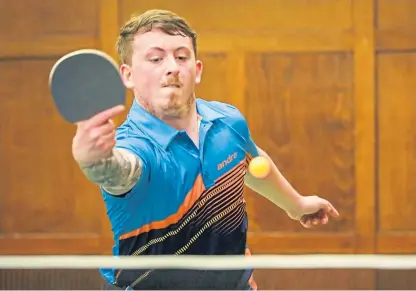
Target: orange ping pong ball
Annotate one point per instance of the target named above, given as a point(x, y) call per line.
point(259, 167)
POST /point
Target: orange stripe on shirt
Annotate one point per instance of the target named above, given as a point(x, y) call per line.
point(229, 171)
point(189, 201)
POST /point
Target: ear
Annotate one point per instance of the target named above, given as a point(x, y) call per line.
point(126, 76)
point(198, 74)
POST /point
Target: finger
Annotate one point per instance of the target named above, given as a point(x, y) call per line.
point(332, 211)
point(106, 142)
point(104, 116)
point(324, 220)
point(306, 221)
point(306, 224)
point(302, 221)
point(320, 213)
point(103, 130)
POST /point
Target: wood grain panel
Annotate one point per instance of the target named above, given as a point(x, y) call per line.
point(287, 41)
point(242, 17)
point(300, 110)
point(396, 279)
point(50, 280)
point(33, 28)
point(300, 243)
point(109, 27)
point(222, 78)
point(396, 25)
point(399, 40)
point(41, 180)
point(396, 242)
point(285, 25)
point(265, 57)
point(365, 128)
point(213, 84)
point(315, 279)
point(397, 142)
point(277, 280)
point(396, 14)
point(52, 244)
point(282, 280)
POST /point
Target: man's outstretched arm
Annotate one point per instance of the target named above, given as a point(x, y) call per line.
point(117, 174)
point(309, 210)
point(94, 148)
point(275, 187)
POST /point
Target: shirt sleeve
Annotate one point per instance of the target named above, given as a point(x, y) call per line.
point(251, 148)
point(241, 126)
point(141, 148)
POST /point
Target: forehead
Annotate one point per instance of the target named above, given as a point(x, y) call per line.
point(157, 38)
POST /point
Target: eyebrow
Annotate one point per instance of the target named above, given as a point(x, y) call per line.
point(156, 48)
point(162, 50)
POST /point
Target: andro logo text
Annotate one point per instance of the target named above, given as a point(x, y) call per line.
point(224, 163)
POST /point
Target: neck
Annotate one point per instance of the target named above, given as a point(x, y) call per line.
point(187, 120)
point(184, 122)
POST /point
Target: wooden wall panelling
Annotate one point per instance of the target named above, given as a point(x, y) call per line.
point(396, 48)
point(46, 204)
point(300, 108)
point(396, 152)
point(109, 28)
point(47, 28)
point(343, 119)
point(396, 25)
point(395, 55)
point(364, 82)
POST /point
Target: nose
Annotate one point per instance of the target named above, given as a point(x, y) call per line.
point(172, 67)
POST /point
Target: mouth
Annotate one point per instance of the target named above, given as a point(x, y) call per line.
point(172, 86)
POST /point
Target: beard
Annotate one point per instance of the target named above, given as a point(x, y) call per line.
point(177, 107)
point(173, 106)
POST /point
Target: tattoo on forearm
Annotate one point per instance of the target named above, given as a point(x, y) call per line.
point(117, 174)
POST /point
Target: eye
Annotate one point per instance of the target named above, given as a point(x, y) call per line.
point(155, 60)
point(182, 58)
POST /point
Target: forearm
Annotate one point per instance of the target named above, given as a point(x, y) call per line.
point(274, 187)
point(117, 174)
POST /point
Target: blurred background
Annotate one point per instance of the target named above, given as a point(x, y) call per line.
point(327, 87)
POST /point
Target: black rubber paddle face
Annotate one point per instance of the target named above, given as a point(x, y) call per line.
point(85, 84)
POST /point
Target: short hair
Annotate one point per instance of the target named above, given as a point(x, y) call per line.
point(167, 21)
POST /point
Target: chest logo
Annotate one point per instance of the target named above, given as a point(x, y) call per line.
point(227, 161)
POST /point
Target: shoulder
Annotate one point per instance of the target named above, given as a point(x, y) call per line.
point(226, 109)
point(129, 138)
point(232, 116)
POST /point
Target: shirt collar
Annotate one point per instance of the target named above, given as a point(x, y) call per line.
point(206, 112)
point(161, 132)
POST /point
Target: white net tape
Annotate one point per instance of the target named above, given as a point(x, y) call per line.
point(212, 262)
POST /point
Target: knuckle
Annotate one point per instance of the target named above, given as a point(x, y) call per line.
point(101, 146)
point(94, 134)
point(107, 147)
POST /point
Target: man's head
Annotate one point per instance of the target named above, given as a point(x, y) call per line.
point(157, 51)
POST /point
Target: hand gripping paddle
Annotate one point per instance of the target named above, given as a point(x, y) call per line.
point(84, 83)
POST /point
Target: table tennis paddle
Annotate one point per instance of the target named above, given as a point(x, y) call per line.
point(84, 83)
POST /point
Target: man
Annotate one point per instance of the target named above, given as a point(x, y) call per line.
point(172, 175)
